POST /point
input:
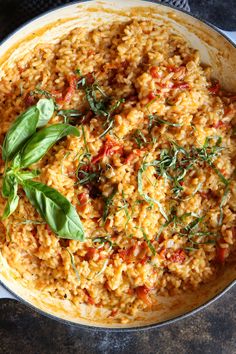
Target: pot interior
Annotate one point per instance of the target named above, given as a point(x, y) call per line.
point(215, 51)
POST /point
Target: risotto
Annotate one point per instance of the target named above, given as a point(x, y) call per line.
point(150, 174)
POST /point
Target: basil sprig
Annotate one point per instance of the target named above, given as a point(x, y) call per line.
point(24, 146)
point(25, 126)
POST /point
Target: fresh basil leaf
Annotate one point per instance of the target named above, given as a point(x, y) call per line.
point(7, 184)
point(46, 109)
point(43, 140)
point(25, 175)
point(55, 209)
point(21, 130)
point(12, 202)
point(16, 161)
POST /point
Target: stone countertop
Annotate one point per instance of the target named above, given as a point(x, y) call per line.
point(212, 330)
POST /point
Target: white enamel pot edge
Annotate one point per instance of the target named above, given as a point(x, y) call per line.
point(6, 294)
point(42, 21)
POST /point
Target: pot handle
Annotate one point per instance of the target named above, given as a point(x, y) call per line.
point(6, 294)
point(231, 35)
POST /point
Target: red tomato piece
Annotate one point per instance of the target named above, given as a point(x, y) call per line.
point(108, 149)
point(178, 256)
point(82, 198)
point(132, 155)
point(175, 69)
point(154, 72)
point(29, 100)
point(181, 85)
point(143, 294)
point(219, 124)
point(221, 254)
point(91, 252)
point(34, 231)
point(89, 297)
point(71, 90)
point(151, 96)
point(215, 88)
point(114, 312)
point(48, 229)
point(163, 253)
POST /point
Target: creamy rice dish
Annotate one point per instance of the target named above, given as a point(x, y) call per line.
point(121, 186)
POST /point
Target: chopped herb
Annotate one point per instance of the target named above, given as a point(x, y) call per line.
point(84, 173)
point(107, 204)
point(70, 116)
point(85, 141)
point(125, 207)
point(72, 260)
point(39, 91)
point(190, 249)
point(139, 138)
point(197, 189)
point(188, 230)
point(148, 199)
point(155, 119)
point(86, 177)
point(152, 101)
point(174, 163)
point(193, 224)
point(99, 102)
point(103, 268)
point(152, 249)
point(103, 240)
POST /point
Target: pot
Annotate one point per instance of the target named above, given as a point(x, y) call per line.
point(216, 50)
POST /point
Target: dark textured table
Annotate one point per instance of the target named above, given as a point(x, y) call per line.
point(212, 331)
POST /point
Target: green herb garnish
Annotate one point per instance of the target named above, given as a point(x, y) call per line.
point(25, 126)
point(72, 260)
point(152, 249)
point(139, 138)
point(99, 102)
point(148, 199)
point(71, 116)
point(155, 119)
point(103, 240)
point(108, 203)
point(24, 146)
